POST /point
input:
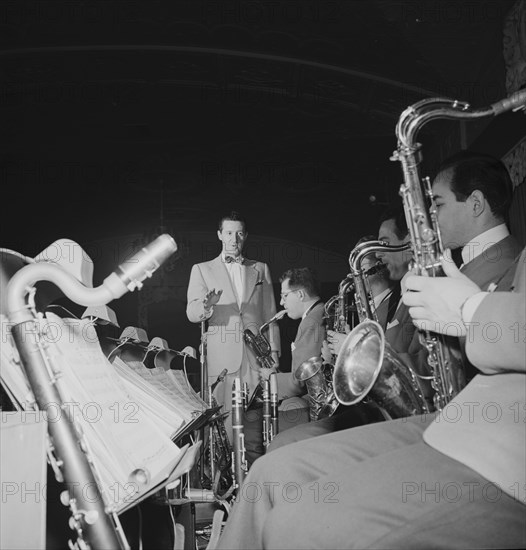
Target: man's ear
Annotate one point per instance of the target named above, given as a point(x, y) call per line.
point(477, 202)
point(219, 234)
point(301, 294)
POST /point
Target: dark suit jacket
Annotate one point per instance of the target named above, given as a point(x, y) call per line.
point(493, 264)
point(490, 267)
point(308, 342)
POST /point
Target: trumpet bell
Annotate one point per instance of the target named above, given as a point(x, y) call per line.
point(359, 362)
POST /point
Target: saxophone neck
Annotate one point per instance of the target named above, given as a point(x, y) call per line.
point(279, 315)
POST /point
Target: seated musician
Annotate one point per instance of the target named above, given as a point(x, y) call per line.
point(456, 480)
point(393, 231)
point(473, 194)
point(300, 298)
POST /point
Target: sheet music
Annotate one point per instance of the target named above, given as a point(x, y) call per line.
point(161, 390)
point(121, 435)
point(11, 371)
point(182, 396)
point(167, 419)
point(179, 378)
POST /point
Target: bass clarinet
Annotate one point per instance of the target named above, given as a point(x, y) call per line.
point(96, 528)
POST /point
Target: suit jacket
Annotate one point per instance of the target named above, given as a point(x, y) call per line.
point(225, 344)
point(307, 344)
point(483, 427)
point(492, 267)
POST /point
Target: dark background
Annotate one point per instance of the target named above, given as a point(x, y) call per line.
point(125, 119)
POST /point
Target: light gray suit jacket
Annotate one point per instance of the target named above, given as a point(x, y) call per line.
point(484, 426)
point(225, 344)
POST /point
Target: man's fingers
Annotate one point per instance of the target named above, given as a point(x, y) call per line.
point(416, 282)
point(420, 314)
point(412, 299)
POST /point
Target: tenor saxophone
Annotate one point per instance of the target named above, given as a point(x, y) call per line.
point(367, 366)
point(96, 528)
point(447, 372)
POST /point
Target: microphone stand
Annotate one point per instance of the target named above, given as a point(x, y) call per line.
point(206, 396)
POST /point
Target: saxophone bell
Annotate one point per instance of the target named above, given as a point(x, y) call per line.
point(314, 374)
point(368, 366)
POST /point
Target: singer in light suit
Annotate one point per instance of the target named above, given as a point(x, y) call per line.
point(232, 293)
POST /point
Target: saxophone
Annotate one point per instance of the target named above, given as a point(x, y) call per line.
point(365, 357)
point(259, 343)
point(96, 527)
point(366, 364)
point(317, 376)
point(336, 307)
point(447, 373)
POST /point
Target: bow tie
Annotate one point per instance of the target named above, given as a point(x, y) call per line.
point(238, 260)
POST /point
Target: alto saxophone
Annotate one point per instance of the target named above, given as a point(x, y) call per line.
point(367, 366)
point(96, 528)
point(259, 343)
point(447, 372)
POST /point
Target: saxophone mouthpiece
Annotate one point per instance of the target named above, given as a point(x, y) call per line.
point(279, 315)
point(515, 102)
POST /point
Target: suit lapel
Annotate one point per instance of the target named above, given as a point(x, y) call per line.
point(251, 278)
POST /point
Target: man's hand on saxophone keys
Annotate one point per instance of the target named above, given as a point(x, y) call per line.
point(335, 340)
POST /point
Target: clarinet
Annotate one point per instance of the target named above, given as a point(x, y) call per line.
point(267, 429)
point(96, 528)
point(238, 453)
point(274, 421)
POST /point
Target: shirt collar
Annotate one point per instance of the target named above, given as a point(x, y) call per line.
point(482, 242)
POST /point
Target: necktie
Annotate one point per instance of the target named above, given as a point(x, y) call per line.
point(456, 255)
point(238, 260)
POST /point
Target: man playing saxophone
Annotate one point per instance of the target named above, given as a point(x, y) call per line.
point(472, 193)
point(386, 295)
point(453, 481)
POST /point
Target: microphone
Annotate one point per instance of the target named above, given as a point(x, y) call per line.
point(142, 265)
point(515, 102)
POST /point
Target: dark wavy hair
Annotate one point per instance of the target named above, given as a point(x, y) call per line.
point(302, 277)
point(232, 216)
point(397, 214)
point(473, 171)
